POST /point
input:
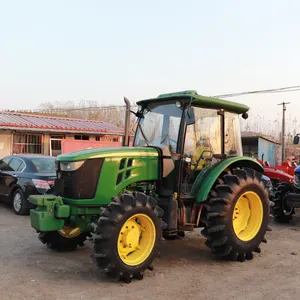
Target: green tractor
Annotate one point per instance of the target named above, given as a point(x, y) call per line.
point(185, 170)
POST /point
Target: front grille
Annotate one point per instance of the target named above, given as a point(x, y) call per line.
point(82, 183)
point(297, 181)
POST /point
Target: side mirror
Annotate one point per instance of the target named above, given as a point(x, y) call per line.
point(296, 140)
point(189, 115)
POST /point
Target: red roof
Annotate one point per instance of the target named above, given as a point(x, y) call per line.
point(13, 120)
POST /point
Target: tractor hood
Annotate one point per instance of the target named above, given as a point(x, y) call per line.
point(108, 152)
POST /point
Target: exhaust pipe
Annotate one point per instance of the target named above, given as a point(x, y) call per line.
point(127, 123)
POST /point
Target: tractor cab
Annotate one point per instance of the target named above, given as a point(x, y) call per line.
point(192, 132)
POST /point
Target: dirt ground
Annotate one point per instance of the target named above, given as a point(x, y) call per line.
point(185, 270)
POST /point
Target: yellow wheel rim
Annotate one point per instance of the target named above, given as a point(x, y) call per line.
point(69, 232)
point(136, 239)
point(247, 216)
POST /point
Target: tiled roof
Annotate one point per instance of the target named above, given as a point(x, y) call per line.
point(49, 123)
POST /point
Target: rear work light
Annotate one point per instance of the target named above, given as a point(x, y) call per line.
point(41, 184)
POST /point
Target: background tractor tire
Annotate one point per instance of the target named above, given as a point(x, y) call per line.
point(237, 215)
point(127, 236)
point(56, 241)
point(281, 213)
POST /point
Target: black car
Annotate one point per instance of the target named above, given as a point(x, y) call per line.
point(25, 175)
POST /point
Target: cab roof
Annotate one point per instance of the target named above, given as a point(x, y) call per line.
point(198, 100)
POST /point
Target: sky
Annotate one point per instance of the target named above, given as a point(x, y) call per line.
point(67, 50)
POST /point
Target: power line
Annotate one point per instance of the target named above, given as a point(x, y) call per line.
point(294, 88)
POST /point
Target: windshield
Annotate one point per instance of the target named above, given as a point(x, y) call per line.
point(159, 127)
point(44, 165)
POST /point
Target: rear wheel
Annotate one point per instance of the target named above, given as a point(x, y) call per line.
point(66, 239)
point(19, 203)
point(282, 213)
point(127, 236)
point(237, 215)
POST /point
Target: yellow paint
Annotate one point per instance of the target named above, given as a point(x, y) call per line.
point(69, 232)
point(136, 239)
point(247, 216)
point(202, 162)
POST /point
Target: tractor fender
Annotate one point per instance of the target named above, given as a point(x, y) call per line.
point(206, 179)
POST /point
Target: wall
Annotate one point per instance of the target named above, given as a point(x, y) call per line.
point(75, 145)
point(5, 143)
point(268, 149)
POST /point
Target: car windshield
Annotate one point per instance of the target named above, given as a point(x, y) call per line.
point(44, 165)
point(159, 127)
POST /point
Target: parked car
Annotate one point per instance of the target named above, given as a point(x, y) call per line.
point(25, 175)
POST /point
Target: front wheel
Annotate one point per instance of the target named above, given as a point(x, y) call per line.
point(127, 236)
point(237, 215)
point(66, 239)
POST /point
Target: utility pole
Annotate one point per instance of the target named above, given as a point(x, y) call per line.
point(283, 129)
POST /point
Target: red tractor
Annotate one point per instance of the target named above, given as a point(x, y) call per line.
point(279, 174)
point(288, 167)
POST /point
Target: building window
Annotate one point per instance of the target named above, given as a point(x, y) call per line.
point(97, 138)
point(55, 144)
point(106, 138)
point(27, 143)
point(57, 137)
point(115, 139)
point(81, 137)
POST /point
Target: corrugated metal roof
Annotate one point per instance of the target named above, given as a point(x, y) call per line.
point(251, 134)
point(26, 121)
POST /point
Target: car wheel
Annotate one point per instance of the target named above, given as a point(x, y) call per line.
point(19, 203)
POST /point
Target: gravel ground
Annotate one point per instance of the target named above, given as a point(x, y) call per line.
point(185, 270)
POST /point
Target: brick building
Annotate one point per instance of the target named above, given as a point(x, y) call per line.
point(39, 134)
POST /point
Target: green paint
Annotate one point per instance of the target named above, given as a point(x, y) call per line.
point(83, 222)
point(112, 182)
point(109, 152)
point(143, 168)
point(52, 214)
point(206, 179)
point(43, 218)
point(198, 100)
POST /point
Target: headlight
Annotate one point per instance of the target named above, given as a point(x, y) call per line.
point(71, 166)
